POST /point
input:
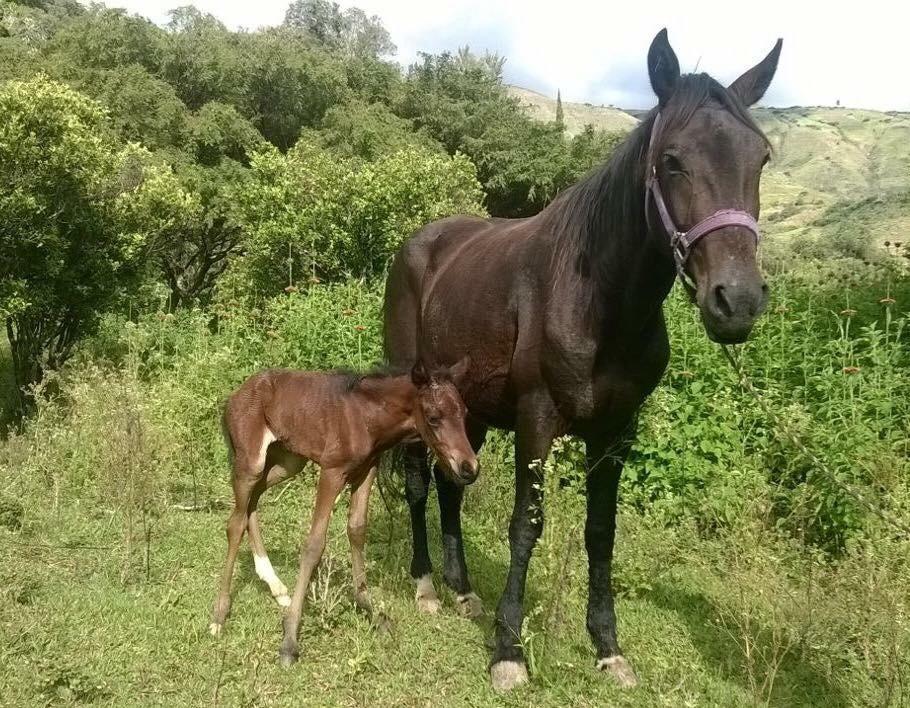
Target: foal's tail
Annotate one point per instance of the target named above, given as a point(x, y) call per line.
point(228, 442)
point(390, 479)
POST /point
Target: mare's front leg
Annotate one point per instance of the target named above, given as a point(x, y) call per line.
point(606, 455)
point(536, 426)
point(417, 488)
point(455, 569)
point(331, 482)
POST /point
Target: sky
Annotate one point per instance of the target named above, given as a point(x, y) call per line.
point(855, 53)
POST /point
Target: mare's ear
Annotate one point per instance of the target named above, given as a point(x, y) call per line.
point(751, 86)
point(460, 370)
point(419, 375)
point(663, 68)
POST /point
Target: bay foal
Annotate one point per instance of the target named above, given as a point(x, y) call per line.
point(278, 419)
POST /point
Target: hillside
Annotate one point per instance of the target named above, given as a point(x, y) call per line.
point(824, 160)
point(575, 115)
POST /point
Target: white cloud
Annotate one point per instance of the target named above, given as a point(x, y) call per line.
point(854, 53)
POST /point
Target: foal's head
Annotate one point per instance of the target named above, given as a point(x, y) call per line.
point(708, 154)
point(440, 419)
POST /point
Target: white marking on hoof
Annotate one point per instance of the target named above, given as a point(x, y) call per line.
point(283, 600)
point(214, 629)
point(620, 669)
point(506, 675)
point(427, 600)
point(267, 574)
point(469, 606)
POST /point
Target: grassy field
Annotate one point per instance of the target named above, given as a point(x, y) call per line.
point(743, 576)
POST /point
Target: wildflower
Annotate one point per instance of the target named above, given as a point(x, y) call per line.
point(291, 289)
point(685, 374)
point(781, 309)
point(887, 300)
point(848, 312)
point(359, 328)
point(347, 312)
point(851, 369)
point(314, 279)
point(272, 333)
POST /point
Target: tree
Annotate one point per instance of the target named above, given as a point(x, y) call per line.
point(62, 257)
point(560, 121)
point(351, 31)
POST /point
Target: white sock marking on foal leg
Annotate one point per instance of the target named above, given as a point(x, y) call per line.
point(267, 573)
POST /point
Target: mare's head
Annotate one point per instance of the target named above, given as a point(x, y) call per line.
point(440, 419)
point(708, 154)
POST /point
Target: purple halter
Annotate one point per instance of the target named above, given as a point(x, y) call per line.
point(682, 242)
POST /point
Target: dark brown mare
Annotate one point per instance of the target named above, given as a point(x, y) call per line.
point(278, 419)
point(561, 314)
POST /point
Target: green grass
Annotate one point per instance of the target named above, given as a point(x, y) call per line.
point(75, 633)
point(742, 576)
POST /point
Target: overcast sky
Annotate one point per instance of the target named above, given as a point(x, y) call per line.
point(856, 53)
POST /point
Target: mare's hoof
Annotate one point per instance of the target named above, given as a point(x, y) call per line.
point(620, 669)
point(427, 600)
point(506, 675)
point(215, 628)
point(469, 606)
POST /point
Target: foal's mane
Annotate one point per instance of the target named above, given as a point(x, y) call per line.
point(349, 380)
point(591, 217)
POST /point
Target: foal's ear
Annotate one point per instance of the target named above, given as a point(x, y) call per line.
point(751, 86)
point(460, 370)
point(663, 68)
point(419, 375)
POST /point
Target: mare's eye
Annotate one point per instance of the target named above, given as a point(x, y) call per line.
point(672, 164)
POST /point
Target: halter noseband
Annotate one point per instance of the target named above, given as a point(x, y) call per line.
point(682, 242)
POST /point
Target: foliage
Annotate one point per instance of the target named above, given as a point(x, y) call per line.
point(63, 257)
point(350, 31)
point(309, 214)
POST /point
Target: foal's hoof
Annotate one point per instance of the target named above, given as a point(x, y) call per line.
point(215, 628)
point(427, 600)
point(283, 600)
point(620, 669)
point(506, 675)
point(469, 606)
point(288, 657)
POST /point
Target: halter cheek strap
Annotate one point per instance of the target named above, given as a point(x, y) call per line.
point(682, 242)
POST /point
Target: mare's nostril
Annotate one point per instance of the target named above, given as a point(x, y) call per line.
point(467, 469)
point(721, 303)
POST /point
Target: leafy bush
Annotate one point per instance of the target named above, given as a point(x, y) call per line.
point(310, 214)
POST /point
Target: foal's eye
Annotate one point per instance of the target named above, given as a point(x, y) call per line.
point(433, 421)
point(672, 164)
point(766, 160)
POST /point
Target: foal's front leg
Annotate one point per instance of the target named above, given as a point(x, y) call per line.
point(331, 483)
point(357, 535)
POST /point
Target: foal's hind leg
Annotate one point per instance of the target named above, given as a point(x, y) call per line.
point(247, 474)
point(285, 466)
point(331, 483)
point(357, 533)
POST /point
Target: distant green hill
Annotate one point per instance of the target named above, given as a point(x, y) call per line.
point(575, 115)
point(826, 161)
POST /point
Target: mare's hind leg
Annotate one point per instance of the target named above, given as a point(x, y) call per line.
point(331, 483)
point(248, 465)
point(417, 486)
point(357, 534)
point(455, 570)
point(282, 465)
